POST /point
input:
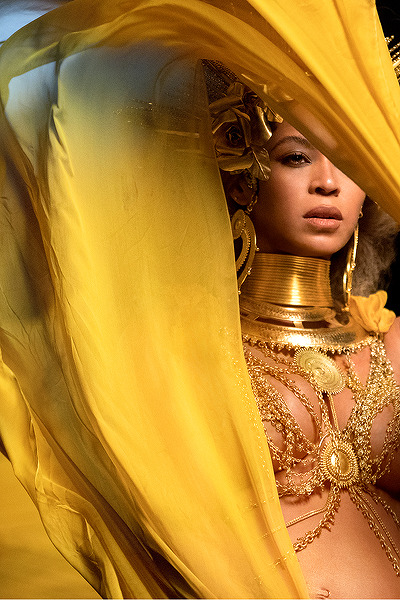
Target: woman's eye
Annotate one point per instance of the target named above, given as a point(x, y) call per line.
point(295, 159)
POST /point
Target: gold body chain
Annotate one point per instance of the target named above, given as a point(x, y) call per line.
point(338, 459)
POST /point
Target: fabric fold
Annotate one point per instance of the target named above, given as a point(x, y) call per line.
point(151, 469)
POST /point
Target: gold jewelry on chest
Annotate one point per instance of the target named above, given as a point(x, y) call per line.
point(340, 458)
point(289, 318)
point(323, 369)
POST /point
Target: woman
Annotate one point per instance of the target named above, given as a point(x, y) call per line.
point(129, 415)
point(330, 413)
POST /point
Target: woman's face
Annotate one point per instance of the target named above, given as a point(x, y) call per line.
point(307, 207)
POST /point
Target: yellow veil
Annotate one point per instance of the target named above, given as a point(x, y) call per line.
point(126, 408)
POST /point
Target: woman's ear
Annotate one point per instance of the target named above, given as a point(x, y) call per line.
point(237, 188)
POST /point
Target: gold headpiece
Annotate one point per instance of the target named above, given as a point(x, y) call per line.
point(240, 123)
point(241, 130)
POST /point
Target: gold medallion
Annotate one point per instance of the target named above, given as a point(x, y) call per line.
point(338, 463)
point(323, 369)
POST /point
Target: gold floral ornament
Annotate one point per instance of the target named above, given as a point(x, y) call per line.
point(241, 129)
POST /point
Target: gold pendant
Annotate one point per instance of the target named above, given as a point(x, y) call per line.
point(323, 369)
point(338, 463)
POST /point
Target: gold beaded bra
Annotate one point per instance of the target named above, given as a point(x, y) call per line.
point(280, 352)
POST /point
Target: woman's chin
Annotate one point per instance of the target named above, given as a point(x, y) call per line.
point(324, 251)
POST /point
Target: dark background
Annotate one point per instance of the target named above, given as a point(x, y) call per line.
point(390, 19)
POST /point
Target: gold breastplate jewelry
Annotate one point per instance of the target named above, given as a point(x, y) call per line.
point(339, 459)
point(309, 337)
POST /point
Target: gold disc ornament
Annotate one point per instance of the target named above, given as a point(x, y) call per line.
point(323, 369)
point(338, 463)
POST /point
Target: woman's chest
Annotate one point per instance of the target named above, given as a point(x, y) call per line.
point(304, 410)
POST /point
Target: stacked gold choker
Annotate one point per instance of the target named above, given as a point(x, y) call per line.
point(289, 280)
point(287, 301)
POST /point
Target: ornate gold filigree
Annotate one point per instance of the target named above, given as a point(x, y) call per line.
point(338, 463)
point(327, 376)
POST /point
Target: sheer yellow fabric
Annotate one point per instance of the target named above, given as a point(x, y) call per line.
point(126, 407)
point(371, 312)
point(30, 567)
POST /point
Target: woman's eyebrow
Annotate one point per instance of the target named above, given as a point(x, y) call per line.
point(293, 138)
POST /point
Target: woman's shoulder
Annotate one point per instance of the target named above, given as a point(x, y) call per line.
point(392, 346)
point(392, 337)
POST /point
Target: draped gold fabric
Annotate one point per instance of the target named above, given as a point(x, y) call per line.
point(30, 566)
point(126, 408)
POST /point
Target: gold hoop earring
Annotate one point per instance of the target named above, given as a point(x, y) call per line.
point(245, 193)
point(349, 270)
point(243, 228)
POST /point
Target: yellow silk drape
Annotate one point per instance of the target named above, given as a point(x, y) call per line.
point(30, 567)
point(126, 407)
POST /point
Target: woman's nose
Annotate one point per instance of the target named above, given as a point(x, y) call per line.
point(324, 179)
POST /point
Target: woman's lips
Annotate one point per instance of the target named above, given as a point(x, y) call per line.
point(324, 217)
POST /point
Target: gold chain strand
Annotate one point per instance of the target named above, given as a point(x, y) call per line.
point(326, 522)
point(379, 500)
point(312, 513)
point(380, 531)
